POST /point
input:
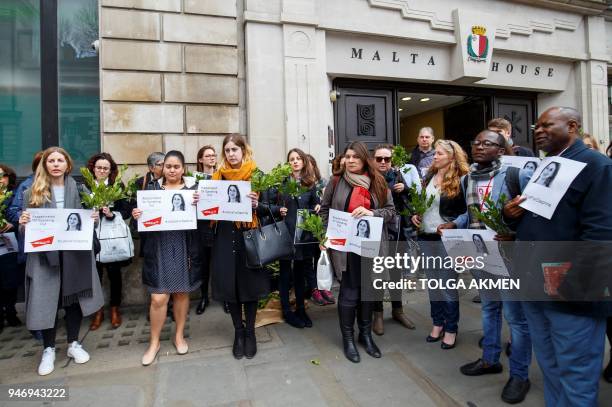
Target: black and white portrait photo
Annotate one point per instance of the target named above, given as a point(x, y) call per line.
point(481, 247)
point(363, 229)
point(74, 222)
point(178, 203)
point(233, 194)
point(548, 174)
point(530, 166)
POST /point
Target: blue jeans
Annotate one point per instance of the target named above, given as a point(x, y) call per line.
point(569, 349)
point(520, 357)
point(445, 314)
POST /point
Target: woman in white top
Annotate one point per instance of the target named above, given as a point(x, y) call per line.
point(443, 182)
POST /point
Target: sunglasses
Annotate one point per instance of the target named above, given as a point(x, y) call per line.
point(381, 159)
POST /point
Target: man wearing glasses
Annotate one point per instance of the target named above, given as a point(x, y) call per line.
point(488, 179)
point(503, 127)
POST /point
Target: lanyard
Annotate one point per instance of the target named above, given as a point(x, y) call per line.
point(486, 194)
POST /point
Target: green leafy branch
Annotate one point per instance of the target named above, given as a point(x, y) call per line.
point(314, 224)
point(5, 195)
point(292, 187)
point(492, 214)
point(419, 203)
point(105, 195)
point(399, 156)
point(260, 181)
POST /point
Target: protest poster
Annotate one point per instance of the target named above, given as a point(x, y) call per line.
point(8, 243)
point(524, 163)
point(549, 183)
point(225, 200)
point(475, 243)
point(164, 210)
point(58, 229)
point(357, 235)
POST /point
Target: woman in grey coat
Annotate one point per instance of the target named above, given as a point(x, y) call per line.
point(59, 279)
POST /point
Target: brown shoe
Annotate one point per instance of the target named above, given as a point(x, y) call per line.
point(399, 316)
point(377, 325)
point(97, 320)
point(115, 317)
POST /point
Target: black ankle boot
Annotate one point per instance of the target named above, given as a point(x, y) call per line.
point(250, 343)
point(346, 316)
point(364, 321)
point(238, 348)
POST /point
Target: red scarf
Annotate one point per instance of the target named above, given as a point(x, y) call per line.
point(359, 197)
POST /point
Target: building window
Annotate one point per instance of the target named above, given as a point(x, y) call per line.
point(62, 106)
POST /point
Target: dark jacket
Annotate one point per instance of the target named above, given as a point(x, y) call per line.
point(231, 279)
point(583, 215)
point(11, 275)
point(14, 211)
point(522, 151)
point(307, 200)
point(401, 200)
point(415, 158)
point(450, 208)
point(152, 248)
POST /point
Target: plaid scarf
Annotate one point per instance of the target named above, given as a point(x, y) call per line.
point(472, 199)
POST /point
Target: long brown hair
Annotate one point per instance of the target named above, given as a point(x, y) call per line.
point(41, 187)
point(378, 185)
point(240, 141)
point(458, 167)
point(199, 165)
point(114, 170)
point(10, 174)
point(307, 177)
point(315, 167)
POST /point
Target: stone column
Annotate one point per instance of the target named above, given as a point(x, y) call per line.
point(594, 80)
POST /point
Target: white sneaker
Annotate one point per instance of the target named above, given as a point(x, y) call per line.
point(76, 351)
point(47, 362)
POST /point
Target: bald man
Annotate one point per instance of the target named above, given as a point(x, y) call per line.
point(568, 336)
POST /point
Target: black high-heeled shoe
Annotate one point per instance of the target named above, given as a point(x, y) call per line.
point(446, 346)
point(202, 304)
point(432, 339)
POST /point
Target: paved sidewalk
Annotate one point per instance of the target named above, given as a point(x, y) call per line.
point(292, 368)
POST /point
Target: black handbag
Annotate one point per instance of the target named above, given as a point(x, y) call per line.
point(266, 244)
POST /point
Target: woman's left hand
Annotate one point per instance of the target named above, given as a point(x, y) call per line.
point(360, 212)
point(196, 198)
point(95, 215)
point(254, 199)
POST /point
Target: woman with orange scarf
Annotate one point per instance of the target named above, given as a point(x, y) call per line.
point(232, 281)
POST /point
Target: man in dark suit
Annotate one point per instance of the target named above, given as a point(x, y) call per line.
point(568, 329)
point(422, 155)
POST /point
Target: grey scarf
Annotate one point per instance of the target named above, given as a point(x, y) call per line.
point(472, 200)
point(74, 265)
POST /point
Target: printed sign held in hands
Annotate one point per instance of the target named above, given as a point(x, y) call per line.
point(164, 210)
point(347, 234)
point(59, 229)
point(225, 200)
point(549, 184)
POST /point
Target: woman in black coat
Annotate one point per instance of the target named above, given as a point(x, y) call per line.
point(294, 267)
point(231, 280)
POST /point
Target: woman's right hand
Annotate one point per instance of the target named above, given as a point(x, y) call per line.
point(136, 213)
point(24, 218)
point(416, 220)
point(322, 248)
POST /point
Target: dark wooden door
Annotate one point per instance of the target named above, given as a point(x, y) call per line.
point(464, 121)
point(364, 115)
point(519, 112)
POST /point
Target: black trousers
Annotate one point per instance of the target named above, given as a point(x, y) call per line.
point(287, 271)
point(250, 313)
point(73, 319)
point(205, 252)
point(8, 299)
point(113, 270)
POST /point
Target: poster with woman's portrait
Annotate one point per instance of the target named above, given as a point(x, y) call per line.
point(475, 244)
point(524, 163)
point(59, 229)
point(164, 210)
point(8, 243)
point(549, 183)
point(358, 235)
point(225, 200)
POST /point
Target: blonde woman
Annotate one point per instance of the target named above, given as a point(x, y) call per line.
point(443, 182)
point(67, 279)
